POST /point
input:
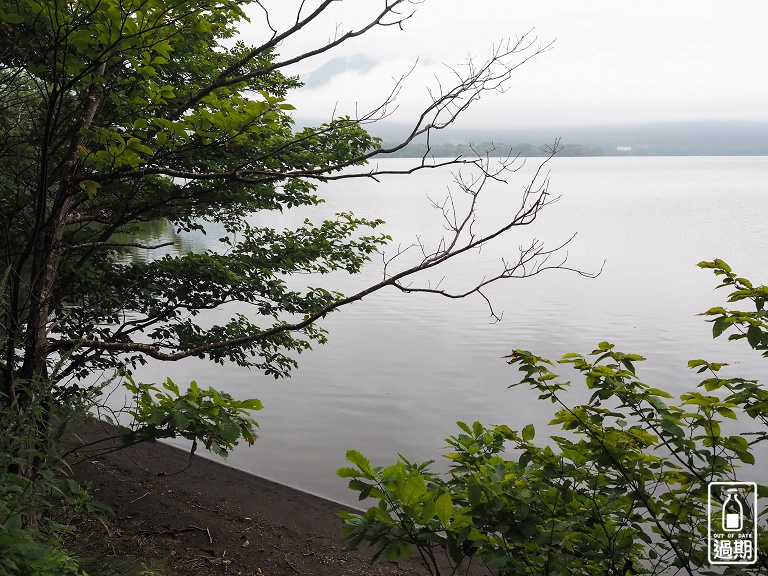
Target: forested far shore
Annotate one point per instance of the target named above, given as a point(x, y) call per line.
point(501, 150)
point(654, 139)
point(492, 149)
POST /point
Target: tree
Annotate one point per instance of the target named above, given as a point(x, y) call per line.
point(621, 489)
point(121, 113)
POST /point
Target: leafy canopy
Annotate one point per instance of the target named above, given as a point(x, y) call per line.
point(118, 115)
point(122, 113)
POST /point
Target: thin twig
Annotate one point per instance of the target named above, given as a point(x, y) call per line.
point(139, 498)
point(291, 566)
point(206, 530)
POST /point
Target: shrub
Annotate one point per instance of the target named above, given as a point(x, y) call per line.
point(30, 536)
point(622, 489)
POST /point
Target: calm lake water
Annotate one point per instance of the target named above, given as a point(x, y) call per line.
point(400, 369)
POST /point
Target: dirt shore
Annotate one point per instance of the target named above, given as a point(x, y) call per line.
point(209, 518)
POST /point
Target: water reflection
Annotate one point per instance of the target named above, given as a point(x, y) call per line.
point(400, 369)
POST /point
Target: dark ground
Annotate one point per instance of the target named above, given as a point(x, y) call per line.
point(208, 519)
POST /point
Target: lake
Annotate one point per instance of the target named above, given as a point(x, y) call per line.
point(400, 369)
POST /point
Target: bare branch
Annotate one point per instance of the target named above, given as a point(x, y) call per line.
point(472, 80)
point(203, 180)
point(230, 75)
point(531, 261)
point(118, 245)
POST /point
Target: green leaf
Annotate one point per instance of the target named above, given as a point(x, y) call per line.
point(722, 265)
point(628, 365)
point(671, 427)
point(727, 412)
point(413, 490)
point(11, 18)
point(180, 421)
point(90, 187)
point(346, 472)
point(252, 404)
point(170, 386)
point(13, 523)
point(528, 432)
point(746, 457)
point(444, 508)
point(360, 486)
point(474, 494)
point(754, 336)
point(719, 326)
point(392, 552)
point(361, 462)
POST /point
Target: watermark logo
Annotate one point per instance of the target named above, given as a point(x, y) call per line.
point(731, 512)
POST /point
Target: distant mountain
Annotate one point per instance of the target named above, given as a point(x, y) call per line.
point(678, 139)
point(659, 139)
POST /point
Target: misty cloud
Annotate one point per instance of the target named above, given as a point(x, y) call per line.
point(337, 66)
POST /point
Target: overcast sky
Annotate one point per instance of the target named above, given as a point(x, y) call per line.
point(612, 62)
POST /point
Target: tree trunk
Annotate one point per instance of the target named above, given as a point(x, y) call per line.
point(29, 391)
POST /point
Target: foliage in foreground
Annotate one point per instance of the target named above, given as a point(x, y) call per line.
point(214, 418)
point(119, 114)
point(621, 490)
point(35, 550)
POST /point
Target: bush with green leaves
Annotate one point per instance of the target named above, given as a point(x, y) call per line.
point(34, 548)
point(36, 508)
point(622, 489)
point(201, 415)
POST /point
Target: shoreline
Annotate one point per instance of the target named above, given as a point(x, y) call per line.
point(216, 460)
point(207, 517)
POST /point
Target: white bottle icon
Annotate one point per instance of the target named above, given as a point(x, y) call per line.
point(733, 511)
